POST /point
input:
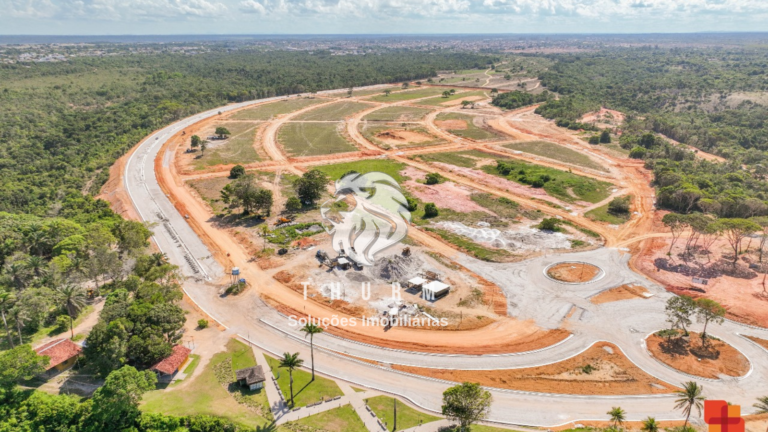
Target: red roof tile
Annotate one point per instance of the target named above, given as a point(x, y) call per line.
point(172, 363)
point(59, 351)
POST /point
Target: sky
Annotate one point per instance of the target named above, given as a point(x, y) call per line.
point(160, 17)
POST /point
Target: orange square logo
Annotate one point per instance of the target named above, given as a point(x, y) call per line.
point(722, 417)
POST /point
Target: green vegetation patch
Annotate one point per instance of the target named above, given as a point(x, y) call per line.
point(270, 110)
point(474, 249)
point(305, 391)
point(313, 139)
point(237, 149)
point(290, 233)
point(466, 130)
point(615, 212)
point(408, 94)
point(556, 152)
point(342, 419)
point(332, 112)
point(397, 113)
point(391, 168)
point(566, 186)
point(465, 159)
point(456, 96)
point(407, 417)
point(206, 395)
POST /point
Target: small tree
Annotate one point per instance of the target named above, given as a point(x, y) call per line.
point(291, 362)
point(549, 224)
point(619, 206)
point(412, 204)
point(387, 92)
point(433, 178)
point(405, 85)
point(466, 403)
point(594, 139)
point(236, 172)
point(310, 186)
point(735, 230)
point(446, 94)
point(618, 416)
point(116, 403)
point(203, 146)
point(18, 363)
point(430, 210)
point(464, 104)
point(650, 425)
point(222, 132)
point(679, 310)
point(605, 137)
point(202, 324)
point(689, 398)
point(195, 141)
point(676, 224)
point(708, 310)
point(311, 330)
point(292, 205)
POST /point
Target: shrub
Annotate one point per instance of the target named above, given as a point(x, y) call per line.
point(236, 288)
point(550, 224)
point(236, 172)
point(201, 324)
point(412, 204)
point(293, 204)
point(433, 178)
point(594, 139)
point(619, 206)
point(637, 153)
point(62, 324)
point(430, 210)
point(605, 137)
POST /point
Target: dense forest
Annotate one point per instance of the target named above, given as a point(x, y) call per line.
point(64, 124)
point(706, 98)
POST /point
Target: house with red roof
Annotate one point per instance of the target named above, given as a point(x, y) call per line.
point(63, 354)
point(171, 364)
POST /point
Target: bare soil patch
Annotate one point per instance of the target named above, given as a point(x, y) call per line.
point(451, 124)
point(449, 195)
point(687, 355)
point(399, 136)
point(573, 272)
point(458, 101)
point(762, 342)
point(623, 292)
point(600, 370)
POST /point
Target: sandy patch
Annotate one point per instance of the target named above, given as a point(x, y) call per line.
point(605, 116)
point(451, 124)
point(722, 358)
point(447, 195)
point(610, 373)
point(623, 292)
point(762, 342)
point(458, 101)
point(398, 136)
point(573, 272)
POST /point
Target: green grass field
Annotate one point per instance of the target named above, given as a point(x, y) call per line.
point(398, 113)
point(465, 159)
point(471, 130)
point(206, 395)
point(313, 139)
point(602, 214)
point(335, 171)
point(238, 148)
point(342, 419)
point(273, 109)
point(337, 111)
point(408, 94)
point(480, 252)
point(407, 417)
point(305, 391)
point(556, 152)
point(438, 101)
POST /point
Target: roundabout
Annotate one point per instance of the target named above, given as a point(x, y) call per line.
point(574, 272)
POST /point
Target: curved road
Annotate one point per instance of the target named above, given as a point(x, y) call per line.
point(624, 323)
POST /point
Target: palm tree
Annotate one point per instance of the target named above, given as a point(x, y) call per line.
point(7, 299)
point(159, 259)
point(762, 406)
point(37, 265)
point(72, 298)
point(650, 425)
point(618, 416)
point(690, 397)
point(311, 330)
point(20, 316)
point(291, 362)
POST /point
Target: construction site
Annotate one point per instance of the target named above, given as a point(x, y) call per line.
point(521, 278)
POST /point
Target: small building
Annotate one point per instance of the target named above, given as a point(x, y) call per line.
point(343, 263)
point(435, 290)
point(170, 365)
point(252, 377)
point(416, 283)
point(62, 354)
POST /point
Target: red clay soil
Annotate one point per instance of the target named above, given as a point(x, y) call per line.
point(762, 342)
point(612, 374)
point(534, 341)
point(728, 362)
point(573, 272)
point(623, 292)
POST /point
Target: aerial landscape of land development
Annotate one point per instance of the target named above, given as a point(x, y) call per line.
point(485, 232)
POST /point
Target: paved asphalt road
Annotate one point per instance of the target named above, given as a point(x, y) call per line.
point(530, 295)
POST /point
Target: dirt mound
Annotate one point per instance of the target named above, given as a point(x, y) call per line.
point(396, 268)
point(688, 355)
point(600, 370)
point(573, 272)
point(400, 136)
point(623, 292)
